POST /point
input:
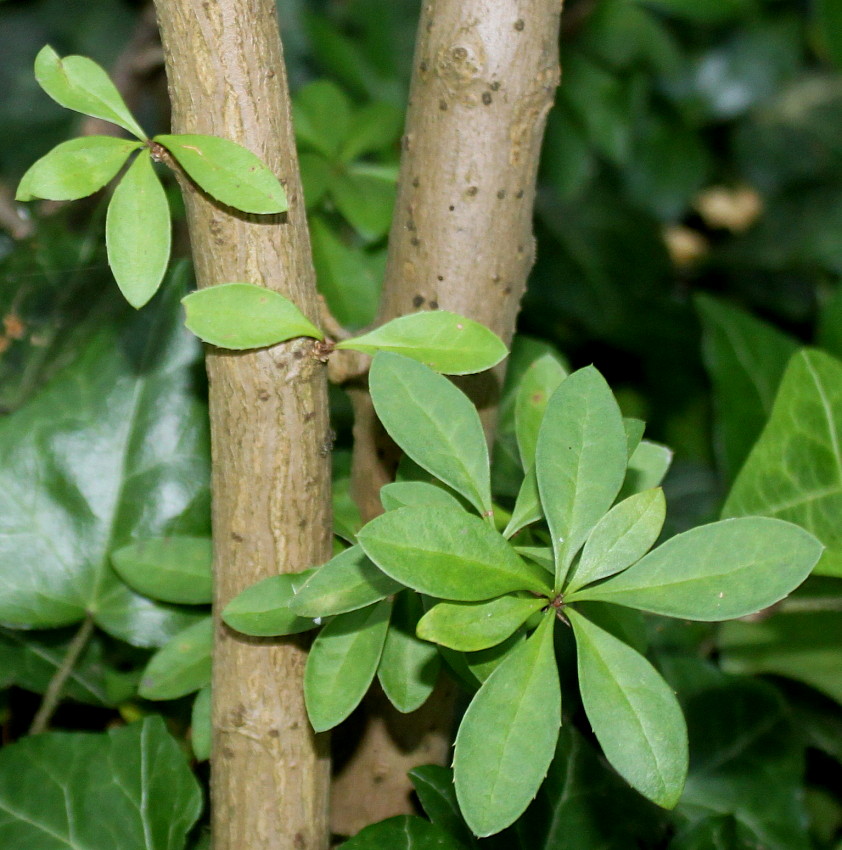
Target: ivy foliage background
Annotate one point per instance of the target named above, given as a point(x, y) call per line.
point(689, 243)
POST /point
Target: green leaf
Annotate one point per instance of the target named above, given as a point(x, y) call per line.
point(243, 315)
point(434, 786)
point(706, 12)
point(228, 172)
point(715, 572)
point(78, 83)
point(263, 608)
point(434, 423)
point(508, 735)
point(114, 449)
point(402, 832)
point(539, 382)
point(527, 507)
point(128, 789)
point(580, 461)
point(446, 554)
point(75, 169)
point(829, 16)
point(366, 200)
point(346, 582)
point(794, 471)
point(480, 665)
point(138, 232)
point(172, 569)
point(623, 536)
point(409, 667)
point(634, 714)
point(322, 117)
point(342, 663)
point(635, 429)
point(182, 666)
point(316, 176)
point(200, 725)
point(406, 494)
point(470, 626)
point(373, 128)
point(443, 341)
point(648, 465)
point(542, 555)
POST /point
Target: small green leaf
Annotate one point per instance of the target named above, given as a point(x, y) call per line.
point(481, 664)
point(373, 128)
point(624, 535)
point(200, 725)
point(507, 737)
point(346, 582)
point(527, 505)
point(541, 379)
point(580, 461)
point(634, 713)
point(138, 232)
point(444, 341)
point(648, 465)
point(242, 315)
point(446, 554)
point(635, 429)
point(263, 609)
point(228, 172)
point(316, 174)
point(434, 786)
point(182, 666)
point(409, 666)
point(542, 555)
point(172, 569)
point(434, 423)
point(715, 572)
point(322, 115)
point(406, 494)
point(78, 83)
point(365, 199)
point(342, 663)
point(75, 169)
point(471, 626)
point(402, 832)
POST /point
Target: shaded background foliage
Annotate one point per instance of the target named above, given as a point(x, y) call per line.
point(688, 224)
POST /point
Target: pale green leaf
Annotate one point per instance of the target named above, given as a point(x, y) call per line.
point(78, 83)
point(444, 341)
point(434, 423)
point(200, 725)
point(138, 232)
point(182, 666)
point(540, 380)
point(527, 507)
point(633, 712)
point(508, 734)
point(228, 172)
point(447, 554)
point(634, 433)
point(405, 494)
point(648, 465)
point(263, 610)
point(243, 315)
point(75, 169)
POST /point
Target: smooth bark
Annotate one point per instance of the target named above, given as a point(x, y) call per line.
point(269, 427)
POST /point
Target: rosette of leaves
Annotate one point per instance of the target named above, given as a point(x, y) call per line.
point(138, 229)
point(474, 591)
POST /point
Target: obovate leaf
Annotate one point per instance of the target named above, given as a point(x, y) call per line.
point(447, 554)
point(78, 83)
point(624, 535)
point(172, 569)
point(243, 315)
point(444, 341)
point(508, 735)
point(470, 626)
point(580, 461)
point(75, 169)
point(348, 581)
point(540, 380)
point(434, 423)
point(138, 232)
point(405, 494)
point(114, 449)
point(263, 608)
point(634, 713)
point(402, 832)
point(342, 663)
point(200, 725)
point(715, 572)
point(228, 172)
point(182, 666)
point(127, 789)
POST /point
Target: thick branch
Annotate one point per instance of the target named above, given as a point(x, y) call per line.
point(269, 427)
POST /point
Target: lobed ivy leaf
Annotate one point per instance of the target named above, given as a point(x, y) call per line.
point(470, 626)
point(715, 572)
point(508, 735)
point(78, 83)
point(342, 663)
point(182, 666)
point(263, 609)
point(138, 232)
point(172, 569)
point(444, 341)
point(446, 554)
point(228, 172)
point(434, 423)
point(540, 380)
point(243, 315)
point(75, 169)
point(634, 713)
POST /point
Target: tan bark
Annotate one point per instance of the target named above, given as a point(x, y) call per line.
point(484, 79)
point(269, 427)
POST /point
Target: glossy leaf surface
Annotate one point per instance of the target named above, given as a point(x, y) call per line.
point(263, 608)
point(182, 666)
